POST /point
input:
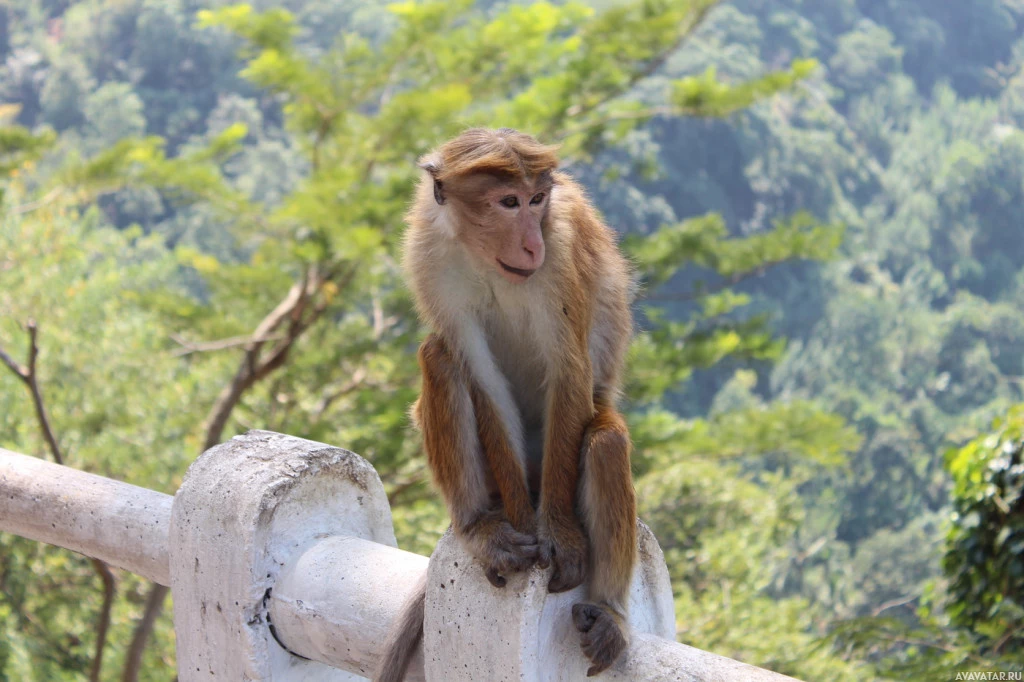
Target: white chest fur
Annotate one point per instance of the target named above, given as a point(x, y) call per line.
point(516, 337)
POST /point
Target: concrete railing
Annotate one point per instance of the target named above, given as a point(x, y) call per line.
point(282, 563)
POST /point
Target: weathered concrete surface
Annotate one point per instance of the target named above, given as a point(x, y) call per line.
point(245, 510)
point(122, 524)
point(336, 601)
point(521, 632)
point(653, 659)
point(275, 534)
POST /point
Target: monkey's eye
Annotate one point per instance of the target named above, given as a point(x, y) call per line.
point(509, 202)
point(537, 199)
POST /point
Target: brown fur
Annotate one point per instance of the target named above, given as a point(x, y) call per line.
point(521, 376)
point(504, 152)
point(508, 475)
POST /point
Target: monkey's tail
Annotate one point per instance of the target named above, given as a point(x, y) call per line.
point(403, 638)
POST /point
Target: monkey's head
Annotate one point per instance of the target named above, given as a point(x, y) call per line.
point(493, 189)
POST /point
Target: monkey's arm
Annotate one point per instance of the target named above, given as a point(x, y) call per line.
point(452, 438)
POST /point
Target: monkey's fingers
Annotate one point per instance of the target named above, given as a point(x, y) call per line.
point(530, 552)
point(570, 571)
point(558, 583)
point(494, 578)
point(601, 656)
point(514, 559)
point(545, 551)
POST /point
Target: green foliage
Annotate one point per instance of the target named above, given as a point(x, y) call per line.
point(985, 547)
point(209, 162)
point(705, 95)
point(18, 146)
point(705, 242)
point(122, 405)
point(230, 193)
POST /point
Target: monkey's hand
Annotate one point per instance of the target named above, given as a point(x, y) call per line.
point(499, 547)
point(563, 543)
point(602, 634)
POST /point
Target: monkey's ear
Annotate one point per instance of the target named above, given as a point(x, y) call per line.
point(434, 168)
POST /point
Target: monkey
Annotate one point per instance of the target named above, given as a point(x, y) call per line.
point(527, 297)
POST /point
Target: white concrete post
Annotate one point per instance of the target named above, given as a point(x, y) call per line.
point(246, 509)
point(521, 633)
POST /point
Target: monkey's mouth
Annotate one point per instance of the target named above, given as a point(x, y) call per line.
point(516, 271)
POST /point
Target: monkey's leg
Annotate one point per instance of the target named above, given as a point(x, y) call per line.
point(451, 439)
point(509, 477)
point(563, 541)
point(608, 506)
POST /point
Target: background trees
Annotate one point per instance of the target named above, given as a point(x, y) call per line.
point(208, 244)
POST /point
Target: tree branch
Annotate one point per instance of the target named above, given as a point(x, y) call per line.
point(30, 378)
point(892, 603)
point(103, 626)
point(399, 489)
point(49, 197)
point(133, 659)
point(656, 62)
point(188, 347)
point(251, 370)
point(352, 384)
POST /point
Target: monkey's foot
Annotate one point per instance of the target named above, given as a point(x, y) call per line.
point(500, 547)
point(603, 637)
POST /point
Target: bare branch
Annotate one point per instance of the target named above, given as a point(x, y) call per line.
point(352, 384)
point(18, 370)
point(133, 659)
point(48, 198)
point(250, 370)
point(396, 492)
point(30, 377)
point(109, 589)
point(892, 603)
point(37, 397)
point(189, 347)
point(648, 70)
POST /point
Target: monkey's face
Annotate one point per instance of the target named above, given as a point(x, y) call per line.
point(501, 223)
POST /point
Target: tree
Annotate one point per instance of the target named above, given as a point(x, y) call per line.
point(985, 547)
point(299, 323)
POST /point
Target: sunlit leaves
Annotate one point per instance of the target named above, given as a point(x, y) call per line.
point(705, 95)
point(667, 355)
point(703, 241)
point(797, 429)
point(984, 558)
point(270, 31)
point(18, 145)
